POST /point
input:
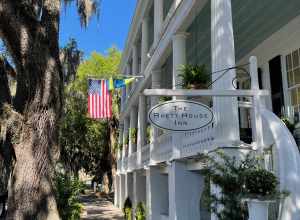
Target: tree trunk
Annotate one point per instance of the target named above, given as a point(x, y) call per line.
point(32, 120)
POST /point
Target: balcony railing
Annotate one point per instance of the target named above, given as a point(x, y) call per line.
point(132, 161)
point(170, 146)
point(163, 146)
point(145, 155)
point(197, 142)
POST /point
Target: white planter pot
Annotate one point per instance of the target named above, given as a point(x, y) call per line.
point(258, 210)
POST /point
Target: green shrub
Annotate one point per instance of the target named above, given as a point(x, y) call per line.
point(67, 196)
point(260, 183)
point(127, 209)
point(140, 211)
point(228, 174)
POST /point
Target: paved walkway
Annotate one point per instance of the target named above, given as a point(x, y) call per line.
point(99, 208)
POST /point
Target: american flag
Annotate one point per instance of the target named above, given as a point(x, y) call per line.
point(100, 100)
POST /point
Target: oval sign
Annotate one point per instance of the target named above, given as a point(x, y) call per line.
point(180, 115)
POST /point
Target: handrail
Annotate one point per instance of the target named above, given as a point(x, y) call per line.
point(288, 164)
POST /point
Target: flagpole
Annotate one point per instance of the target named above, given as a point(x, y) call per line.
point(123, 76)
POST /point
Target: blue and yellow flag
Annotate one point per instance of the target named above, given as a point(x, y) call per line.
point(119, 83)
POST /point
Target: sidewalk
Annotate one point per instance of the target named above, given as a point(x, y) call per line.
point(99, 208)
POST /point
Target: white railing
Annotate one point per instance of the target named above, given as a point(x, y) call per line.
point(145, 155)
point(287, 162)
point(125, 164)
point(163, 148)
point(196, 142)
point(119, 165)
point(132, 161)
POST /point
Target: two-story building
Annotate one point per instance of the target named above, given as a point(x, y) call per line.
point(163, 169)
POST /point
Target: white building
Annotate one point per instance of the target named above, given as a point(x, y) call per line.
point(165, 172)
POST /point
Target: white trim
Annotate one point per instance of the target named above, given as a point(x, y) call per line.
point(204, 92)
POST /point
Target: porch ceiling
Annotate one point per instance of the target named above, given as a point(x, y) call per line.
point(254, 21)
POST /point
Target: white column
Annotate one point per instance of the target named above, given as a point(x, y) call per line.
point(179, 58)
point(133, 125)
point(258, 105)
point(117, 190)
point(223, 56)
point(129, 186)
point(120, 140)
point(156, 84)
point(185, 190)
point(135, 59)
point(139, 187)
point(145, 43)
point(125, 136)
point(142, 127)
point(157, 193)
point(158, 19)
point(128, 72)
point(122, 191)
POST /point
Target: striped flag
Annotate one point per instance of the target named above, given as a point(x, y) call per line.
point(100, 100)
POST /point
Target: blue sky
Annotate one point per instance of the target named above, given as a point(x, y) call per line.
point(110, 30)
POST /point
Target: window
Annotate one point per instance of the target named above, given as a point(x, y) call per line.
point(293, 74)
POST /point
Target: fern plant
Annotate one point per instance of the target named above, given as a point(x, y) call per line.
point(194, 76)
point(133, 135)
point(140, 211)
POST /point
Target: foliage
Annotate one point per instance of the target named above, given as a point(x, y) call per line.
point(126, 141)
point(194, 75)
point(149, 134)
point(85, 143)
point(228, 174)
point(260, 183)
point(133, 135)
point(86, 8)
point(97, 66)
point(238, 180)
point(67, 191)
point(288, 124)
point(127, 209)
point(140, 211)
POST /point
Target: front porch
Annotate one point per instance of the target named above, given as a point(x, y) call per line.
point(228, 39)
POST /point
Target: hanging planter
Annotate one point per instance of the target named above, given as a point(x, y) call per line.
point(194, 76)
point(133, 135)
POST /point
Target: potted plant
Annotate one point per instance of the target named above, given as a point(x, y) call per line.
point(133, 135)
point(194, 76)
point(126, 141)
point(165, 99)
point(226, 173)
point(149, 134)
point(140, 211)
point(260, 188)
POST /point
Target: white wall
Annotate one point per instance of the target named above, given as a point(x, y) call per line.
point(282, 42)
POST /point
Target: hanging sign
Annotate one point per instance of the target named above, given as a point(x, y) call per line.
point(180, 115)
